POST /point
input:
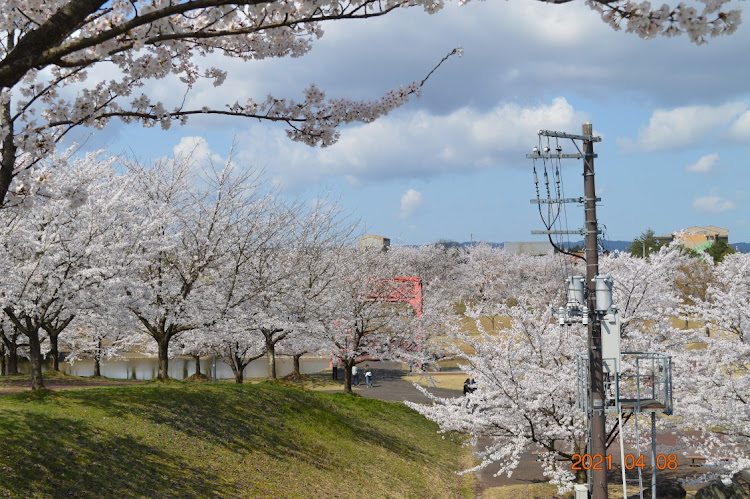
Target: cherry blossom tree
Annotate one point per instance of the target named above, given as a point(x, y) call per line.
point(52, 49)
point(726, 306)
point(293, 275)
point(525, 392)
point(11, 338)
point(355, 316)
point(56, 321)
point(433, 263)
point(439, 268)
point(715, 382)
point(236, 348)
point(252, 286)
point(227, 331)
point(715, 369)
point(322, 231)
point(98, 336)
point(525, 371)
point(275, 271)
point(268, 313)
point(484, 281)
point(649, 21)
point(56, 261)
point(645, 289)
point(186, 223)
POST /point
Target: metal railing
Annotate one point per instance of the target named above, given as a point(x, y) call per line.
point(643, 384)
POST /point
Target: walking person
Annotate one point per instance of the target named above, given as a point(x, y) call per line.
point(334, 368)
point(355, 375)
point(368, 376)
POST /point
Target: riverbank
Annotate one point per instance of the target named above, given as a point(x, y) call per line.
point(221, 440)
point(58, 381)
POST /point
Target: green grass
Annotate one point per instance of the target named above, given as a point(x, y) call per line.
point(318, 381)
point(221, 440)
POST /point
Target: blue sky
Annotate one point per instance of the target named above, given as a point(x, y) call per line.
point(674, 118)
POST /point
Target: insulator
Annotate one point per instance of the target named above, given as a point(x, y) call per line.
point(546, 149)
point(535, 150)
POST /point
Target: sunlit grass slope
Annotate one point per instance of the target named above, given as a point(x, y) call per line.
point(221, 440)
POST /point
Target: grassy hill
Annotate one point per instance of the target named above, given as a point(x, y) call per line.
point(221, 440)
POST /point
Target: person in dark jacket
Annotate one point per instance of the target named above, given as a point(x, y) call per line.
point(469, 386)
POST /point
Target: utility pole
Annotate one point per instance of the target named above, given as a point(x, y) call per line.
point(590, 314)
point(596, 371)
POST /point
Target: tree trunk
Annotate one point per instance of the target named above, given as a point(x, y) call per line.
point(348, 375)
point(35, 359)
point(10, 346)
point(13, 361)
point(54, 352)
point(581, 475)
point(54, 326)
point(162, 334)
point(3, 363)
point(197, 364)
point(8, 161)
point(238, 369)
point(30, 329)
point(163, 344)
point(98, 359)
point(271, 353)
point(297, 373)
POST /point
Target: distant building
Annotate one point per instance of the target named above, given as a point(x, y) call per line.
point(535, 248)
point(373, 241)
point(698, 238)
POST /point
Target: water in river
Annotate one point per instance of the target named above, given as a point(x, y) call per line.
point(148, 368)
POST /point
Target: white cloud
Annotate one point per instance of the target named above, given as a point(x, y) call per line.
point(198, 148)
point(682, 127)
point(411, 201)
point(712, 203)
point(414, 144)
point(741, 128)
point(705, 164)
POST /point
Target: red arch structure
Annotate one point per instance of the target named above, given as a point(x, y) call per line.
point(402, 289)
point(399, 289)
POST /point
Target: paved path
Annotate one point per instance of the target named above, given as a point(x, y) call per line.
point(389, 384)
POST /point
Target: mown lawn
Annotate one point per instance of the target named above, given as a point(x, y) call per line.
point(221, 440)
